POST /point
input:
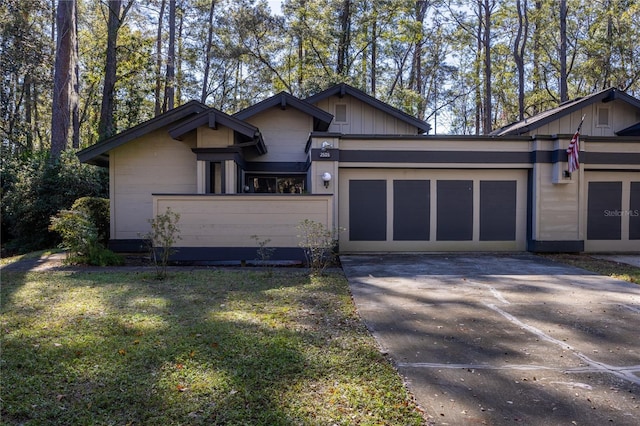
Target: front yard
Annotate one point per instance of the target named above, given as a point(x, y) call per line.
point(208, 347)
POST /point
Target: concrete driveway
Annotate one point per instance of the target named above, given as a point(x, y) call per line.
point(504, 339)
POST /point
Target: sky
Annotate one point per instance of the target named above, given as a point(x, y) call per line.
point(275, 5)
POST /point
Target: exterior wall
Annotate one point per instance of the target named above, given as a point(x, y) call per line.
point(152, 163)
point(232, 220)
point(214, 138)
point(363, 119)
point(285, 133)
point(621, 115)
point(392, 193)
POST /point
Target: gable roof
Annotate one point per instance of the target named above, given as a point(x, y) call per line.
point(344, 89)
point(248, 134)
point(321, 118)
point(97, 154)
point(531, 123)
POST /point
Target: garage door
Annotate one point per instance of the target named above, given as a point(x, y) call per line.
point(432, 210)
point(613, 211)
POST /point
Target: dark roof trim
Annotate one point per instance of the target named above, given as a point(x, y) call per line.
point(213, 118)
point(531, 123)
point(322, 119)
point(97, 154)
point(630, 131)
point(344, 89)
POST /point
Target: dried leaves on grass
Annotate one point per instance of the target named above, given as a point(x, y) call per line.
point(202, 347)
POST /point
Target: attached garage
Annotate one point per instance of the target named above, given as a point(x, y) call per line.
point(432, 210)
point(613, 211)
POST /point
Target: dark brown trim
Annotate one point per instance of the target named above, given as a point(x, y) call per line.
point(277, 167)
point(556, 246)
point(325, 155)
point(470, 157)
point(95, 153)
point(239, 254)
point(610, 157)
point(321, 118)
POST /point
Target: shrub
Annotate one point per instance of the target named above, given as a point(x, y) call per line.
point(318, 243)
point(81, 238)
point(97, 209)
point(161, 239)
point(34, 188)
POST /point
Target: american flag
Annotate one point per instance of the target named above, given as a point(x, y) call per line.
point(574, 148)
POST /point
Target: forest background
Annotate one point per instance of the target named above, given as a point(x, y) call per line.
point(75, 72)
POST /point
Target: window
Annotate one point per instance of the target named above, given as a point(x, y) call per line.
point(603, 117)
point(341, 113)
point(279, 184)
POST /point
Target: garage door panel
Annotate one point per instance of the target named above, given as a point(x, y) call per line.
point(634, 212)
point(367, 210)
point(411, 210)
point(604, 211)
point(455, 210)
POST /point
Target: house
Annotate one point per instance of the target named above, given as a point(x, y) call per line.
point(350, 161)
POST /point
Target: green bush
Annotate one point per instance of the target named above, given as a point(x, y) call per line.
point(97, 209)
point(34, 188)
point(80, 237)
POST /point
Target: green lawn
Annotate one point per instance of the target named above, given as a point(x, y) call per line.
point(204, 347)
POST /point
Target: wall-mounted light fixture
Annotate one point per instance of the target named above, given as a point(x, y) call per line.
point(325, 145)
point(326, 178)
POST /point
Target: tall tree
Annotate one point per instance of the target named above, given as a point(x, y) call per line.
point(64, 85)
point(564, 90)
point(158, 70)
point(519, 50)
point(116, 15)
point(208, 53)
point(169, 88)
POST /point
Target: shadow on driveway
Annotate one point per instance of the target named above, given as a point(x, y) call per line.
point(504, 339)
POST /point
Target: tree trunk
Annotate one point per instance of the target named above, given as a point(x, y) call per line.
point(519, 47)
point(564, 95)
point(374, 55)
point(345, 38)
point(169, 88)
point(75, 101)
point(478, 71)
point(487, 68)
point(64, 72)
point(207, 55)
point(106, 126)
point(158, 99)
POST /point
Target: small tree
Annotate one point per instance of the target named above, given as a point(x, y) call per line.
point(162, 238)
point(265, 253)
point(318, 243)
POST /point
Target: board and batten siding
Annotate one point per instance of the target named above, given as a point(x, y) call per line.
point(363, 119)
point(152, 163)
point(231, 220)
point(620, 116)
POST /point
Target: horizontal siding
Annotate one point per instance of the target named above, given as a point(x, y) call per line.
point(230, 221)
point(151, 164)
